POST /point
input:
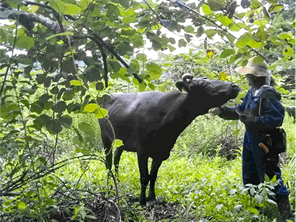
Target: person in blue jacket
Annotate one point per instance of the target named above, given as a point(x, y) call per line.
point(260, 111)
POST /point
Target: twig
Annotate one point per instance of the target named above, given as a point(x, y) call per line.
point(21, 180)
point(10, 60)
point(105, 64)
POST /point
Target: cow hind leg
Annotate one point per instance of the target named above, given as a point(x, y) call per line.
point(153, 175)
point(144, 176)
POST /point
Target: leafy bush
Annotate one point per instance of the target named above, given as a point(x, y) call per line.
point(206, 134)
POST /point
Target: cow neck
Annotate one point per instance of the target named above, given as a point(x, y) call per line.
point(185, 112)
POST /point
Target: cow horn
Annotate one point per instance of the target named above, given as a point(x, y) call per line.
point(186, 77)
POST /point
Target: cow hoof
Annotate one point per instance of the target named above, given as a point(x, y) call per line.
point(151, 198)
point(142, 201)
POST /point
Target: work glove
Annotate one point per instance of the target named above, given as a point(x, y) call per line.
point(248, 120)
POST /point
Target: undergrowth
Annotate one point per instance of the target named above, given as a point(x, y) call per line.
point(194, 184)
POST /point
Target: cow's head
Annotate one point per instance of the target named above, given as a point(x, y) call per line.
point(213, 92)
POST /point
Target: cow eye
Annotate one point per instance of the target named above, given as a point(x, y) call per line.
point(203, 82)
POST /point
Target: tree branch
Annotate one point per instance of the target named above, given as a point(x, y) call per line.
point(99, 41)
point(104, 62)
point(56, 14)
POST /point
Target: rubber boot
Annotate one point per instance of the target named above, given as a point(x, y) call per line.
point(284, 207)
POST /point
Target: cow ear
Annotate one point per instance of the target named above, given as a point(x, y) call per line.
point(179, 85)
point(182, 85)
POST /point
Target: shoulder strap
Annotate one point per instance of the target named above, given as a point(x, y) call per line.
point(260, 104)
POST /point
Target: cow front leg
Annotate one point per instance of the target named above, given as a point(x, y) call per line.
point(144, 176)
point(117, 156)
point(108, 153)
point(153, 175)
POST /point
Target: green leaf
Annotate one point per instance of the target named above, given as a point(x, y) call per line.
point(117, 143)
point(285, 35)
point(43, 120)
point(200, 31)
point(54, 127)
point(135, 81)
point(272, 1)
point(66, 121)
point(254, 44)
point(79, 137)
point(234, 27)
point(261, 22)
point(59, 107)
point(122, 71)
point(112, 11)
point(258, 60)
point(58, 5)
point(151, 86)
point(115, 65)
point(171, 48)
point(129, 19)
point(277, 8)
point(90, 216)
point(99, 86)
point(210, 33)
point(75, 83)
point(68, 95)
point(42, 160)
point(84, 3)
point(189, 29)
point(101, 113)
point(36, 107)
point(243, 40)
point(25, 42)
point(142, 86)
point(206, 9)
point(230, 38)
point(182, 43)
point(44, 98)
point(225, 20)
point(91, 107)
point(253, 210)
point(226, 53)
point(72, 9)
point(84, 127)
point(142, 57)
point(274, 178)
point(134, 66)
point(288, 51)
point(22, 205)
point(216, 5)
point(255, 4)
point(154, 70)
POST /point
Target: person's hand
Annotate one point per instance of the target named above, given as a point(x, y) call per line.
point(215, 111)
point(247, 119)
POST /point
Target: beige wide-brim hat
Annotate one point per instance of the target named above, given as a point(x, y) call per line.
point(258, 69)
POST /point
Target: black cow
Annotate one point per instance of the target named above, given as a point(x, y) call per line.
point(149, 123)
